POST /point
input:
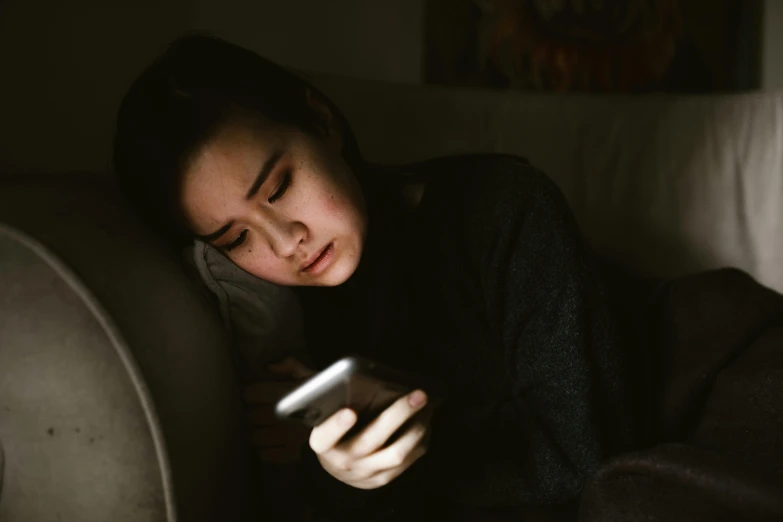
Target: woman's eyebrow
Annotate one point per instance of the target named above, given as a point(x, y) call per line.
point(208, 238)
point(268, 167)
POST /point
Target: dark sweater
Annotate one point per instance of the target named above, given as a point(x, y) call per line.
point(487, 286)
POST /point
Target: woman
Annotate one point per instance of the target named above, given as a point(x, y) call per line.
point(468, 269)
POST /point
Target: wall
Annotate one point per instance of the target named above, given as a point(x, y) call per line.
point(378, 39)
point(66, 65)
point(772, 45)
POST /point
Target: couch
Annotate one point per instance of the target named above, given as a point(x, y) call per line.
point(119, 395)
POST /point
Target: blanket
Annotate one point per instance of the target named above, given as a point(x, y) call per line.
point(716, 442)
point(717, 350)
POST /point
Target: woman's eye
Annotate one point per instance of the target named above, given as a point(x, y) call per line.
point(282, 188)
point(238, 241)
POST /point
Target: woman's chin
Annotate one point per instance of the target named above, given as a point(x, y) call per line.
point(337, 274)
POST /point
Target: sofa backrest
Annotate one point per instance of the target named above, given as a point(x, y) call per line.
point(662, 184)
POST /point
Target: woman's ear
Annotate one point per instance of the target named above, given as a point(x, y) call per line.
point(329, 125)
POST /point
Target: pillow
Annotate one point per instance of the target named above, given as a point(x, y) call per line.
point(263, 319)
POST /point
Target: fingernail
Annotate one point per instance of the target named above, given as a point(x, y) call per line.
point(417, 399)
point(346, 418)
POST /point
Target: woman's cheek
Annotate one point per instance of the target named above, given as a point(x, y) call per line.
point(263, 267)
point(249, 258)
point(329, 203)
point(339, 207)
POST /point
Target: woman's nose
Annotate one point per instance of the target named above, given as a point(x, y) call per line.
point(284, 238)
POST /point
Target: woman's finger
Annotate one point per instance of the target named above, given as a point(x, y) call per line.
point(385, 477)
point(378, 432)
point(328, 434)
point(398, 453)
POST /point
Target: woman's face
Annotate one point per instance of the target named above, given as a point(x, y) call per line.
point(281, 203)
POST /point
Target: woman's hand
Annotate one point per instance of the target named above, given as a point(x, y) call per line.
point(276, 440)
point(366, 461)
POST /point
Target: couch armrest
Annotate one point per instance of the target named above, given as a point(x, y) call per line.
point(169, 437)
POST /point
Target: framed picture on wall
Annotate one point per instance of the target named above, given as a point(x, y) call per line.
point(594, 45)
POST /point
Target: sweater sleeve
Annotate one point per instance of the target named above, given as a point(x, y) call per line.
point(546, 304)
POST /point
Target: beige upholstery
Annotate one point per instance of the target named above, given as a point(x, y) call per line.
point(664, 184)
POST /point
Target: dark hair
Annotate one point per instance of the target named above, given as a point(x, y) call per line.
point(180, 100)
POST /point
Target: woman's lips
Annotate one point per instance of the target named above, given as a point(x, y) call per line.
point(321, 262)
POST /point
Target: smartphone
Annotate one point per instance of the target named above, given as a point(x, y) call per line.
point(352, 382)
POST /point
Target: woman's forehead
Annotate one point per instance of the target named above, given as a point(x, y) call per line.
point(234, 151)
point(221, 171)
point(217, 172)
point(209, 190)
